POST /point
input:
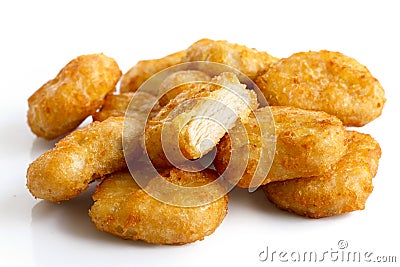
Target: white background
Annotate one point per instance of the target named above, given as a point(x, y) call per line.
point(37, 38)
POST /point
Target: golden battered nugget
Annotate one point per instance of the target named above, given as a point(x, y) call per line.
point(197, 118)
point(248, 61)
point(116, 105)
point(123, 209)
point(307, 144)
point(144, 69)
point(84, 155)
point(343, 188)
point(327, 81)
point(79, 89)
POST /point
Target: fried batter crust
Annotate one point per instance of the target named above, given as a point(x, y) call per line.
point(78, 90)
point(327, 81)
point(123, 209)
point(144, 69)
point(170, 87)
point(116, 105)
point(84, 155)
point(247, 60)
point(307, 144)
point(343, 188)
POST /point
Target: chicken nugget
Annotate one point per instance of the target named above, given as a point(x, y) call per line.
point(248, 61)
point(343, 188)
point(78, 90)
point(170, 88)
point(307, 144)
point(144, 69)
point(326, 81)
point(116, 105)
point(197, 118)
point(123, 209)
point(84, 155)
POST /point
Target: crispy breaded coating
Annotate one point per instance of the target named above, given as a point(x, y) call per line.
point(144, 69)
point(203, 111)
point(180, 102)
point(169, 88)
point(343, 188)
point(77, 91)
point(247, 60)
point(327, 81)
point(123, 209)
point(307, 144)
point(116, 105)
point(84, 155)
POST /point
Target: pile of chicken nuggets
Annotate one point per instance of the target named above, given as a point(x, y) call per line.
point(317, 168)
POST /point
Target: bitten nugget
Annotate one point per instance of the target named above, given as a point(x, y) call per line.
point(221, 107)
point(155, 126)
point(144, 69)
point(197, 118)
point(327, 81)
point(343, 188)
point(307, 144)
point(116, 105)
point(248, 61)
point(61, 104)
point(123, 209)
point(84, 155)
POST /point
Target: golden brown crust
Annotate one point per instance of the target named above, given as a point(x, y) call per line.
point(170, 87)
point(247, 60)
point(307, 144)
point(116, 105)
point(343, 188)
point(185, 92)
point(123, 209)
point(144, 69)
point(78, 90)
point(84, 155)
point(327, 81)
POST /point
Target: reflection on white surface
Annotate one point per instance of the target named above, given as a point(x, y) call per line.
point(63, 233)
